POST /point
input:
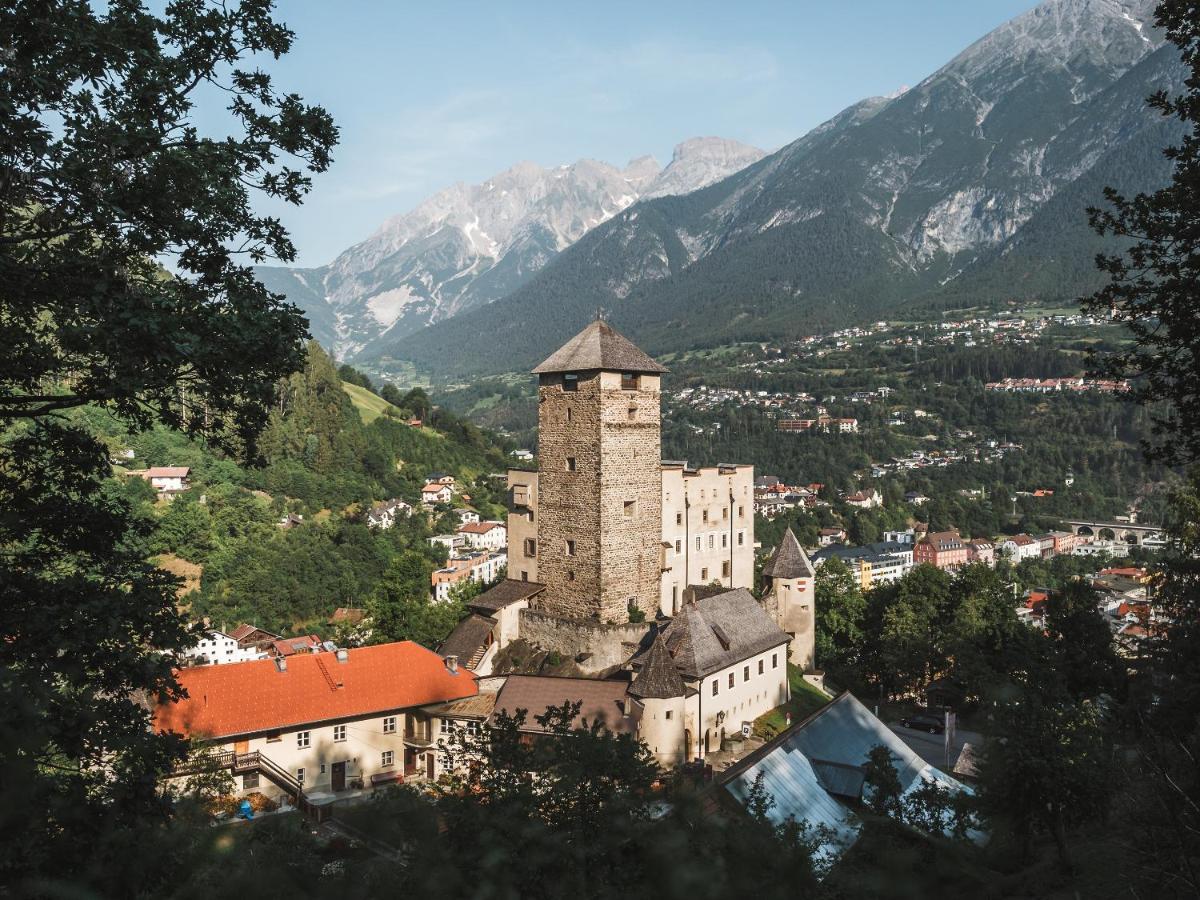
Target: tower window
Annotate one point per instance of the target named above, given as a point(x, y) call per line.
point(629, 381)
point(570, 413)
point(630, 508)
point(741, 538)
point(724, 513)
point(530, 547)
point(679, 546)
point(570, 576)
point(632, 413)
point(704, 515)
point(571, 464)
point(704, 574)
point(678, 518)
point(570, 382)
point(570, 548)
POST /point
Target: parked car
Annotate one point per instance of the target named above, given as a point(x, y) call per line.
point(932, 724)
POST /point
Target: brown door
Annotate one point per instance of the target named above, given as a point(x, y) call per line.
point(339, 776)
point(429, 765)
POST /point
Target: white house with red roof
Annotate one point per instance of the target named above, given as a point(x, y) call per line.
point(435, 493)
point(167, 479)
point(321, 723)
point(484, 535)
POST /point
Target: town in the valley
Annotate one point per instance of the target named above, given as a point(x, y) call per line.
point(633, 587)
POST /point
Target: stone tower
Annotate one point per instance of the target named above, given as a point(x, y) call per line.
point(599, 528)
point(790, 584)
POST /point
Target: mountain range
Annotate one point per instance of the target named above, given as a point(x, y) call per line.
point(968, 189)
point(472, 244)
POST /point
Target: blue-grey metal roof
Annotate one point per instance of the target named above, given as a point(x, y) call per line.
point(789, 778)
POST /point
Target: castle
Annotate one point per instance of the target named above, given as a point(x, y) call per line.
point(626, 563)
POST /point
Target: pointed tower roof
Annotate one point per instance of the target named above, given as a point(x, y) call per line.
point(790, 560)
point(599, 346)
point(658, 678)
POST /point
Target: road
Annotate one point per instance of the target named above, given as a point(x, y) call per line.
point(931, 747)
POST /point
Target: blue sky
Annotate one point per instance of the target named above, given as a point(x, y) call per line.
point(431, 93)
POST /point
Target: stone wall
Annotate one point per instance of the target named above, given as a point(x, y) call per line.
point(608, 645)
point(568, 507)
point(630, 497)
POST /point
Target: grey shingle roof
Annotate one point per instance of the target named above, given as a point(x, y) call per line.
point(506, 592)
point(789, 560)
point(658, 678)
point(467, 637)
point(718, 631)
point(599, 346)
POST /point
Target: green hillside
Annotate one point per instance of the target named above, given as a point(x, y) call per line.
point(370, 406)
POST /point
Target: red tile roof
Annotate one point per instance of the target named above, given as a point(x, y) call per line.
point(479, 527)
point(167, 472)
point(251, 697)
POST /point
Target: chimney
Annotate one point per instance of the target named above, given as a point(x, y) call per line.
point(343, 655)
point(452, 664)
point(281, 663)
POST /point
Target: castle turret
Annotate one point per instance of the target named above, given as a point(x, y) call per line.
point(599, 529)
point(661, 691)
point(790, 583)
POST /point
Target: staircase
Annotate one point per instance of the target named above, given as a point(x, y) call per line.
point(254, 761)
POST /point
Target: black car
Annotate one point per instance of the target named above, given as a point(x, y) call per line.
point(931, 724)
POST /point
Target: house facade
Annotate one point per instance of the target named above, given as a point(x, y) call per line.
point(218, 648)
point(484, 535)
point(943, 549)
point(327, 721)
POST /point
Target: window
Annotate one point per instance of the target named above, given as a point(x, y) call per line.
point(570, 464)
point(667, 715)
point(389, 725)
point(629, 381)
point(249, 781)
point(570, 548)
point(633, 414)
point(570, 414)
point(716, 687)
point(678, 546)
point(678, 518)
point(630, 508)
point(725, 569)
point(570, 382)
point(444, 727)
point(531, 546)
point(724, 540)
point(741, 511)
point(387, 758)
point(741, 538)
point(711, 542)
point(322, 768)
point(302, 740)
point(570, 576)
point(760, 667)
point(774, 660)
point(745, 673)
point(300, 776)
point(274, 736)
point(724, 512)
point(473, 727)
point(704, 574)
point(339, 732)
point(697, 542)
point(524, 575)
point(731, 679)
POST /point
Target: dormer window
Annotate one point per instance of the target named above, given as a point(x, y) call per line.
point(570, 382)
point(629, 381)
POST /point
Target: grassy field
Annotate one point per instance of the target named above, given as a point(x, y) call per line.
point(369, 406)
point(806, 700)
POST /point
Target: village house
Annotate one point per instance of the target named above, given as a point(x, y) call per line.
point(384, 515)
point(1021, 546)
point(481, 566)
point(981, 551)
point(167, 480)
point(828, 536)
point(943, 549)
point(252, 636)
point(466, 516)
point(322, 723)
point(868, 499)
point(218, 648)
point(873, 564)
point(432, 494)
point(484, 535)
point(441, 478)
point(451, 542)
point(296, 646)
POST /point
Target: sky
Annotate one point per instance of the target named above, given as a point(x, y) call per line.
point(430, 93)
